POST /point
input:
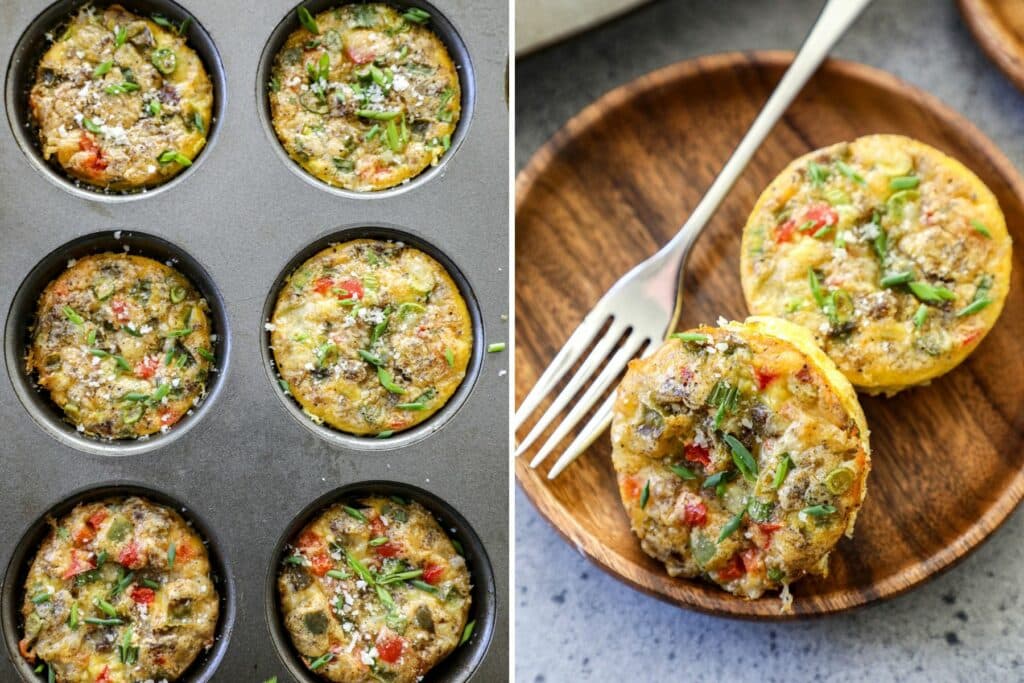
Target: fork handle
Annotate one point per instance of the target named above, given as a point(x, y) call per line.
point(832, 23)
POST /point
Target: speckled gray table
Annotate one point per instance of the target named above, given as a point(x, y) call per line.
point(573, 622)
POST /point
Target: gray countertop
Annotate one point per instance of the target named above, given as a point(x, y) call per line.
point(575, 623)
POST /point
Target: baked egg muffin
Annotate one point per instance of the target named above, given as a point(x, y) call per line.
point(741, 453)
point(119, 591)
point(120, 101)
point(375, 591)
point(371, 337)
point(364, 96)
point(895, 256)
point(123, 345)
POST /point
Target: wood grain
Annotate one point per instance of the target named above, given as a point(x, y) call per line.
point(618, 180)
point(998, 26)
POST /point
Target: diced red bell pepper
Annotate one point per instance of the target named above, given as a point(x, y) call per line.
point(351, 289)
point(432, 573)
point(359, 56)
point(309, 540)
point(696, 453)
point(23, 648)
point(751, 558)
point(83, 534)
point(96, 518)
point(104, 676)
point(971, 338)
point(94, 160)
point(732, 570)
point(142, 595)
point(769, 529)
point(389, 549)
point(389, 648)
point(377, 527)
point(695, 513)
point(183, 553)
point(129, 556)
point(630, 488)
point(764, 377)
point(146, 368)
point(80, 562)
point(822, 214)
point(785, 231)
point(322, 285)
point(320, 563)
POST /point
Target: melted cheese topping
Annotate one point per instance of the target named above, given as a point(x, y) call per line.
point(107, 600)
point(371, 336)
point(121, 102)
point(368, 101)
point(123, 345)
point(374, 592)
point(893, 255)
point(742, 455)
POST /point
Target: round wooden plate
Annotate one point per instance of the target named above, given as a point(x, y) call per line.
point(613, 185)
point(998, 26)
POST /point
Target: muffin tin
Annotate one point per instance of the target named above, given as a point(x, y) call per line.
point(247, 467)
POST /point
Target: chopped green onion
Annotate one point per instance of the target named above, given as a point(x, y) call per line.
point(718, 479)
point(920, 316)
point(359, 569)
point(839, 480)
point(379, 540)
point(71, 315)
point(732, 525)
point(807, 226)
point(103, 622)
point(355, 514)
point(449, 357)
point(467, 632)
point(197, 120)
point(337, 574)
point(420, 403)
point(496, 348)
point(819, 296)
point(377, 115)
point(682, 472)
point(929, 293)
point(781, 470)
point(385, 381)
point(370, 358)
point(818, 510)
point(150, 583)
point(973, 307)
point(980, 228)
point(308, 21)
point(894, 279)
point(904, 182)
point(645, 495)
point(90, 125)
point(821, 232)
point(73, 617)
point(322, 659)
point(40, 598)
point(107, 608)
point(416, 15)
point(177, 294)
point(171, 155)
point(386, 434)
point(122, 362)
point(298, 560)
point(848, 171)
point(161, 392)
point(207, 354)
point(172, 551)
point(281, 382)
point(742, 457)
point(694, 337)
point(121, 88)
point(102, 69)
point(120, 36)
point(817, 173)
point(422, 585)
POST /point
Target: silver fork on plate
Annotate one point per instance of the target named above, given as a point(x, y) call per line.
point(646, 303)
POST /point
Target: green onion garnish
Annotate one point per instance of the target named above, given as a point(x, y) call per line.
point(449, 357)
point(694, 337)
point(309, 22)
point(682, 472)
point(377, 115)
point(781, 470)
point(819, 296)
point(980, 228)
point(920, 316)
point(39, 598)
point(386, 434)
point(423, 586)
point(370, 358)
point(818, 510)
point(904, 182)
point(817, 173)
point(645, 495)
point(379, 540)
point(355, 514)
point(107, 608)
point(120, 36)
point(102, 69)
point(732, 525)
point(496, 347)
point(848, 171)
point(416, 15)
point(150, 583)
point(103, 622)
point(295, 559)
point(71, 315)
point(385, 381)
point(322, 659)
point(172, 551)
point(73, 617)
point(467, 632)
point(337, 574)
point(121, 88)
point(929, 293)
point(973, 307)
point(742, 457)
point(894, 279)
point(172, 155)
point(207, 354)
point(90, 125)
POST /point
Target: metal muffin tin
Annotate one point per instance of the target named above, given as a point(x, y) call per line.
point(247, 467)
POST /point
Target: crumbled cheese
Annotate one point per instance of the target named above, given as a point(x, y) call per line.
point(269, 327)
point(722, 346)
point(117, 234)
point(368, 657)
point(145, 329)
point(72, 262)
point(400, 83)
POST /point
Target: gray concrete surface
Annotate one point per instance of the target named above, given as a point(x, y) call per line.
point(573, 622)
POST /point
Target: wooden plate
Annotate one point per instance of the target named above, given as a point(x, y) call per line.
point(998, 26)
point(618, 180)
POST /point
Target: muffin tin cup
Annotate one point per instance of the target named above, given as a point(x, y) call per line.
point(12, 589)
point(336, 437)
point(17, 337)
point(21, 71)
point(440, 24)
point(458, 666)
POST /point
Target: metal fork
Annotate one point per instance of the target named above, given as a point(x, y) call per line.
point(646, 304)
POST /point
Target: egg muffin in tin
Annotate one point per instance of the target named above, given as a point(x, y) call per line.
point(741, 453)
point(120, 590)
point(371, 336)
point(120, 101)
point(895, 256)
point(364, 96)
point(374, 591)
point(123, 345)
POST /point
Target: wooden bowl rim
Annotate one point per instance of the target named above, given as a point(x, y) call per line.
point(993, 37)
point(693, 594)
